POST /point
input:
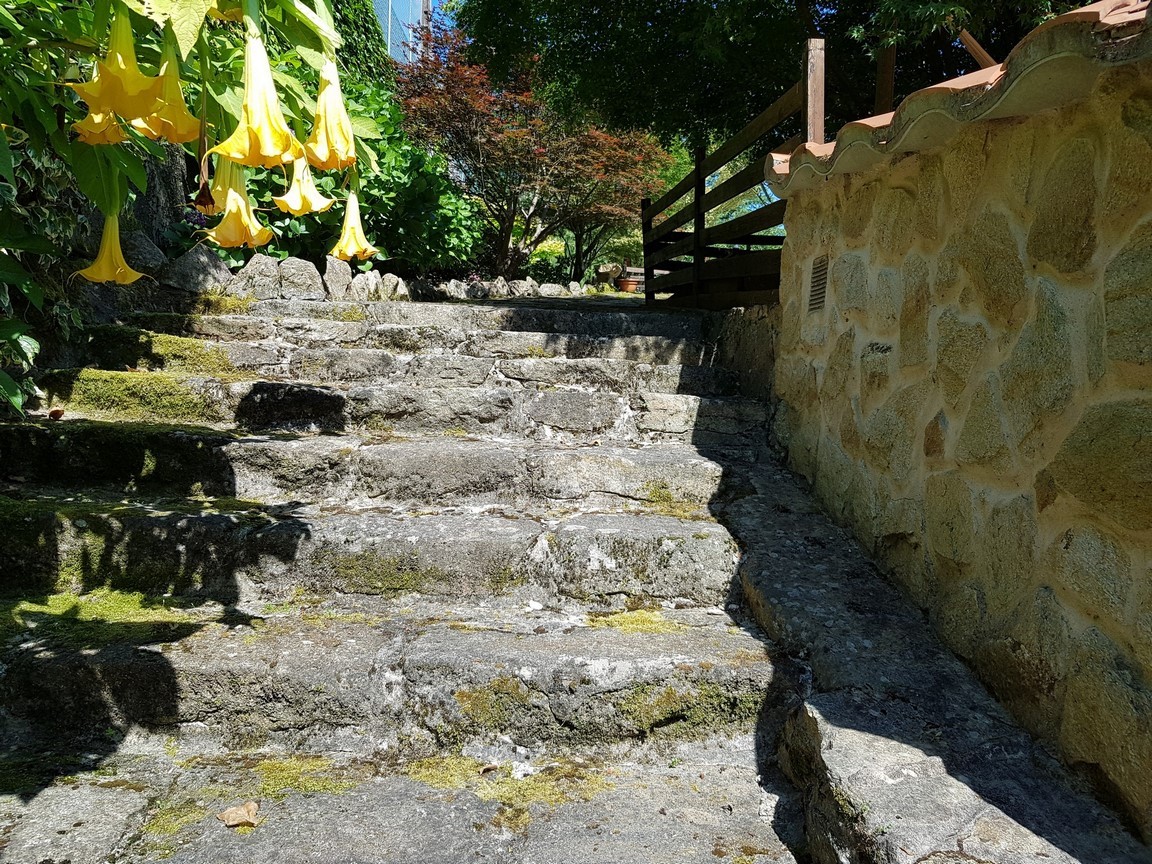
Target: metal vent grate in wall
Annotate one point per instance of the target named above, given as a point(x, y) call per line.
point(818, 284)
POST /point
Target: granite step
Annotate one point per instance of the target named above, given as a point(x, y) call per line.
point(407, 340)
point(568, 416)
point(366, 677)
point(686, 802)
point(120, 348)
point(230, 550)
point(359, 469)
point(545, 318)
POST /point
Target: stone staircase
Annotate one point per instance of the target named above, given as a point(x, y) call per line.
point(501, 582)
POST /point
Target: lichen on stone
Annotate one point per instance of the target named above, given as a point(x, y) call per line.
point(638, 621)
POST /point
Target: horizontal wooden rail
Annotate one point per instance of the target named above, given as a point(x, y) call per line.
point(735, 230)
point(783, 108)
point(734, 257)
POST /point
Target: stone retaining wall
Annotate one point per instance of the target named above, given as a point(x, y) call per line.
point(975, 400)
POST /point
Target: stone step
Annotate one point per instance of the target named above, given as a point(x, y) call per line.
point(120, 348)
point(901, 754)
point(357, 470)
point(229, 550)
point(582, 318)
point(407, 340)
point(417, 679)
point(558, 415)
point(685, 803)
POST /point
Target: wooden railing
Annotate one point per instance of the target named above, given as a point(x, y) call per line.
point(706, 266)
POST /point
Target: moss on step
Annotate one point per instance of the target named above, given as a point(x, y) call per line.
point(660, 500)
point(307, 775)
point(97, 618)
point(130, 395)
point(218, 303)
point(636, 621)
point(684, 710)
point(174, 817)
point(117, 348)
point(367, 572)
point(552, 785)
point(492, 705)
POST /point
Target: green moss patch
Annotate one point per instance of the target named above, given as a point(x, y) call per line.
point(129, 395)
point(130, 348)
point(306, 775)
point(660, 500)
point(636, 622)
point(681, 710)
point(554, 784)
point(492, 705)
point(368, 572)
point(97, 618)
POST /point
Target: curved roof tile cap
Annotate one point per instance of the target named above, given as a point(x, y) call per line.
point(1056, 63)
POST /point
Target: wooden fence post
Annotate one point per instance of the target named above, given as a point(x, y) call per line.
point(814, 91)
point(649, 269)
point(698, 214)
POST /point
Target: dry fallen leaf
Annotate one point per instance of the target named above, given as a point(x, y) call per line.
point(243, 816)
point(56, 414)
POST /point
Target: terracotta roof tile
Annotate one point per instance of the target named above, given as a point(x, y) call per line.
point(1056, 63)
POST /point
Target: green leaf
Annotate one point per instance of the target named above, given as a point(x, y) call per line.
point(324, 29)
point(13, 235)
point(186, 18)
point(101, 14)
point(131, 165)
point(11, 271)
point(33, 292)
point(6, 171)
point(365, 127)
point(98, 177)
point(10, 392)
point(11, 329)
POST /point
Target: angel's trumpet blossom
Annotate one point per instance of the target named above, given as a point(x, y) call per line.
point(352, 242)
point(171, 119)
point(110, 265)
point(239, 225)
point(302, 196)
point(262, 138)
point(331, 144)
point(98, 129)
point(118, 86)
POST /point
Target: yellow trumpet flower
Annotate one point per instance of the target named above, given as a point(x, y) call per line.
point(171, 120)
point(110, 265)
point(302, 196)
point(239, 226)
point(352, 242)
point(118, 86)
point(262, 138)
point(331, 144)
point(100, 129)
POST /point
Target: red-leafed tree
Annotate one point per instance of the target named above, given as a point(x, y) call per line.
point(533, 174)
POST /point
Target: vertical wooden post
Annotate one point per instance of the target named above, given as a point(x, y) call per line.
point(649, 269)
point(814, 91)
point(698, 224)
point(886, 79)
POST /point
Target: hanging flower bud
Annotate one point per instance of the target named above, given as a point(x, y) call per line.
point(110, 265)
point(331, 144)
point(262, 138)
point(118, 86)
point(171, 119)
point(100, 129)
point(352, 242)
point(239, 226)
point(302, 196)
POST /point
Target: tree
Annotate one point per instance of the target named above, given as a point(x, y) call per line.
point(532, 174)
point(701, 69)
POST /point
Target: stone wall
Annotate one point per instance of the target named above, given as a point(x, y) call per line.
point(975, 400)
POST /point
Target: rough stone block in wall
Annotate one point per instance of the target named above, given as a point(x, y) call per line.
point(975, 400)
